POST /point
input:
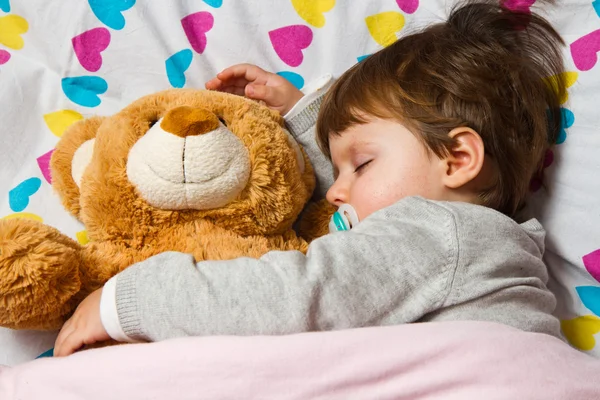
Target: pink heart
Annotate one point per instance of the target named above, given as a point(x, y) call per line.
point(592, 264)
point(584, 50)
point(195, 27)
point(88, 47)
point(289, 42)
point(408, 6)
point(548, 158)
point(4, 56)
point(518, 5)
point(44, 164)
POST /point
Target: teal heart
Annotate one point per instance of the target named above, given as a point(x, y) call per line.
point(84, 90)
point(109, 12)
point(18, 198)
point(214, 3)
point(176, 66)
point(5, 6)
point(567, 119)
point(590, 297)
point(48, 353)
point(360, 58)
point(295, 79)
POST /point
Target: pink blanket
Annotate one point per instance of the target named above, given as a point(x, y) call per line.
point(451, 360)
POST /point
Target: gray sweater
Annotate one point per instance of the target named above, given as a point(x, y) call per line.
point(417, 260)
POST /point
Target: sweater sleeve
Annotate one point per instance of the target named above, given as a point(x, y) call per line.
point(384, 271)
point(301, 121)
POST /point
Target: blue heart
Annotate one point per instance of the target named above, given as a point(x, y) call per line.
point(84, 90)
point(18, 198)
point(590, 297)
point(48, 353)
point(109, 11)
point(596, 5)
point(214, 3)
point(293, 77)
point(5, 6)
point(360, 58)
point(176, 65)
point(567, 119)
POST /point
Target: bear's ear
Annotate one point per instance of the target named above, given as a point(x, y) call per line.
point(72, 155)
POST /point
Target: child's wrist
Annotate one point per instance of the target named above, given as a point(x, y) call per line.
point(109, 315)
point(295, 97)
point(309, 95)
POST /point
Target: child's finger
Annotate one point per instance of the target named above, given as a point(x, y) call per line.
point(219, 84)
point(213, 84)
point(61, 347)
point(233, 89)
point(249, 72)
point(70, 344)
point(229, 87)
point(65, 331)
point(267, 94)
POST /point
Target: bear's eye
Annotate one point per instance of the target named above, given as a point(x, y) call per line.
point(223, 121)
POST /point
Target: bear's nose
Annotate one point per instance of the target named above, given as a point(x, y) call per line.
point(187, 121)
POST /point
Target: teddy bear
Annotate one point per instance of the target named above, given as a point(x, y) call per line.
point(201, 172)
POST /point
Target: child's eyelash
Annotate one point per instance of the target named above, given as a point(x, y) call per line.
point(361, 166)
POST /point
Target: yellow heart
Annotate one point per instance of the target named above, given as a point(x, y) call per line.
point(25, 215)
point(60, 120)
point(82, 237)
point(11, 27)
point(580, 331)
point(383, 26)
point(569, 78)
point(312, 10)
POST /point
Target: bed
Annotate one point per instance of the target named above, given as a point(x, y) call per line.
point(62, 61)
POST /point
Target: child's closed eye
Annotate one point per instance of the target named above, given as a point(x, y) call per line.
point(362, 166)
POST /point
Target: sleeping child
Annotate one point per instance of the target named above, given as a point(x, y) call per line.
point(427, 148)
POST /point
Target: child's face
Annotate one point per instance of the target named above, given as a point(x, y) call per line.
point(380, 162)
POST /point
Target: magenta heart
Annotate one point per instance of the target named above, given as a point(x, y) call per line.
point(44, 164)
point(519, 5)
point(289, 42)
point(584, 51)
point(4, 56)
point(592, 264)
point(408, 6)
point(88, 47)
point(195, 27)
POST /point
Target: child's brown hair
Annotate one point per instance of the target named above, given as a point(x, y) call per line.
point(486, 68)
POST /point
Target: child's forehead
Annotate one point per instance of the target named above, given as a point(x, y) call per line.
point(371, 132)
point(352, 139)
point(346, 147)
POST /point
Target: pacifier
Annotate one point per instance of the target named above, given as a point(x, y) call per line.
point(344, 219)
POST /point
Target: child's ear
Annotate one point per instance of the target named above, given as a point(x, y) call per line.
point(465, 161)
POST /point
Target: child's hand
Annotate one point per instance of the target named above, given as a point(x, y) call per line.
point(255, 83)
point(84, 327)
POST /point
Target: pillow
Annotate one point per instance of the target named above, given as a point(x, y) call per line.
point(59, 63)
point(568, 205)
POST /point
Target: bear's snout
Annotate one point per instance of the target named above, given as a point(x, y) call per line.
point(189, 160)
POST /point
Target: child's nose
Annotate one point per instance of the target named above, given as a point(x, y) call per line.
point(337, 195)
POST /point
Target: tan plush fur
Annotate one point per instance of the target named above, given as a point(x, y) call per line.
point(315, 220)
point(44, 274)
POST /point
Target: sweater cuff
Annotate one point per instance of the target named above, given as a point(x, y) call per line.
point(126, 303)
point(304, 113)
point(108, 312)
